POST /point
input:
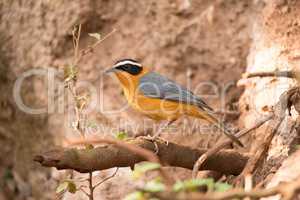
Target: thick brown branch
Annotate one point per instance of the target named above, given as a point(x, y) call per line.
point(109, 156)
point(132, 148)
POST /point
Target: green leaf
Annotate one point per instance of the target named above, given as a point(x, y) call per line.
point(66, 186)
point(92, 125)
point(154, 186)
point(8, 175)
point(95, 35)
point(62, 187)
point(178, 186)
point(222, 187)
point(71, 187)
point(193, 185)
point(138, 195)
point(121, 135)
point(142, 168)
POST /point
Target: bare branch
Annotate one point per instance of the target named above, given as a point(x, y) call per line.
point(217, 148)
point(76, 38)
point(84, 192)
point(91, 48)
point(91, 195)
point(148, 155)
point(287, 74)
point(106, 179)
point(111, 155)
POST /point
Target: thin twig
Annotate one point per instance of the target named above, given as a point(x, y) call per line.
point(76, 38)
point(78, 127)
point(78, 108)
point(217, 148)
point(106, 179)
point(84, 192)
point(71, 84)
point(287, 74)
point(91, 196)
point(262, 149)
point(91, 48)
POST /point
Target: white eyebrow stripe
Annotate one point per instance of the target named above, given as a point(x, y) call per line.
point(127, 62)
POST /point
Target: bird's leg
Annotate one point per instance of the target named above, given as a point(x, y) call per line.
point(157, 134)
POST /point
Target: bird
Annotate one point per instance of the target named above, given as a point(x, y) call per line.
point(160, 98)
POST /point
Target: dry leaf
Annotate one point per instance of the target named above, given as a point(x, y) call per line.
point(95, 35)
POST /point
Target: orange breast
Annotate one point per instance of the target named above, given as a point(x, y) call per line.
point(157, 109)
point(160, 109)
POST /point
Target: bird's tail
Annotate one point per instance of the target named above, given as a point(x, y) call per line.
point(210, 118)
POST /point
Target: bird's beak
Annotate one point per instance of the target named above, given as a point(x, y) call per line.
point(110, 70)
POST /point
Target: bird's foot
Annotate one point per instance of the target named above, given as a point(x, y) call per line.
point(155, 139)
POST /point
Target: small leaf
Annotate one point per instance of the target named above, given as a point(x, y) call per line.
point(142, 168)
point(66, 186)
point(178, 186)
point(62, 187)
point(121, 135)
point(154, 186)
point(71, 187)
point(222, 187)
point(138, 195)
point(95, 35)
point(193, 185)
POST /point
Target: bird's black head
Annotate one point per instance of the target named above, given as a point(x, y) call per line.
point(130, 66)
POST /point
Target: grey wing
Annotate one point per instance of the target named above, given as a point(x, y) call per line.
point(154, 85)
